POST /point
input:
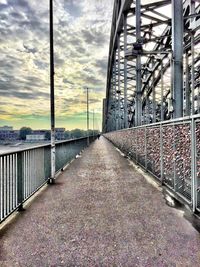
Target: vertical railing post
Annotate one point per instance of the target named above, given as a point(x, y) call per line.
point(161, 154)
point(136, 129)
point(145, 148)
point(20, 181)
point(88, 140)
point(193, 164)
point(2, 187)
point(93, 125)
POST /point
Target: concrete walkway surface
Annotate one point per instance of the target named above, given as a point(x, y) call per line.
point(100, 212)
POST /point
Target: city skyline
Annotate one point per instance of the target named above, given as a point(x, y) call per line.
point(81, 31)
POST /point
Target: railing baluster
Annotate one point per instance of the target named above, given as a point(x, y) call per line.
point(20, 180)
point(6, 185)
point(1, 190)
point(11, 183)
point(22, 173)
point(3, 186)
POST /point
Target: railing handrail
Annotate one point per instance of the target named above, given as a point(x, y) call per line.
point(170, 121)
point(23, 172)
point(42, 146)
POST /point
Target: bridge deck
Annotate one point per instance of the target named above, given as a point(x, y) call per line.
point(101, 212)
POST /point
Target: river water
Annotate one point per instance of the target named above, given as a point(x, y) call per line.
point(16, 147)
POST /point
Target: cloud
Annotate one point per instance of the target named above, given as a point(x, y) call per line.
point(81, 40)
point(29, 49)
point(68, 82)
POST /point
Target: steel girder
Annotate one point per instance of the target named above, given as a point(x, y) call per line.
point(154, 62)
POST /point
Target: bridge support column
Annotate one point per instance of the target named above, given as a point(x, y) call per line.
point(138, 115)
point(187, 86)
point(154, 100)
point(177, 60)
point(125, 74)
point(192, 5)
point(162, 94)
point(115, 90)
point(119, 86)
point(107, 119)
point(111, 104)
point(110, 111)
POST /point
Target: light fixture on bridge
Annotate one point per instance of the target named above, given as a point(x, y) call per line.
point(138, 50)
point(135, 51)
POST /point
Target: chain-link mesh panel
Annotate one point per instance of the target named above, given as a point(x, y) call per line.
point(125, 141)
point(165, 151)
point(183, 178)
point(183, 159)
point(123, 146)
point(140, 133)
point(198, 163)
point(168, 155)
point(133, 144)
point(153, 151)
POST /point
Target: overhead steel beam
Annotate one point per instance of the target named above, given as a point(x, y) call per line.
point(177, 57)
point(143, 77)
point(119, 86)
point(125, 74)
point(138, 115)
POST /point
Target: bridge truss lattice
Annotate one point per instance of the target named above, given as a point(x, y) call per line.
point(154, 62)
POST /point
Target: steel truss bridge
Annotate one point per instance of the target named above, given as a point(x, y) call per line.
point(153, 69)
point(101, 211)
point(152, 106)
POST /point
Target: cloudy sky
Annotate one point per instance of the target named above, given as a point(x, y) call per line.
point(81, 35)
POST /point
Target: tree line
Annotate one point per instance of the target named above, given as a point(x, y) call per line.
point(68, 134)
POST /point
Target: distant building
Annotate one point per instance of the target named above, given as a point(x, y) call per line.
point(8, 134)
point(40, 132)
point(41, 135)
point(35, 137)
point(6, 128)
point(60, 133)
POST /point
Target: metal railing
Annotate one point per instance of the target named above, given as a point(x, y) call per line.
point(24, 172)
point(169, 150)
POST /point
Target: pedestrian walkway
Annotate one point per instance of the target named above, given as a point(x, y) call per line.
point(100, 212)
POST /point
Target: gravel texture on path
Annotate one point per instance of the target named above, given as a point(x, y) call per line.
point(100, 212)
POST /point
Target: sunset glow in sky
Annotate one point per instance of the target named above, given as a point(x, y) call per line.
point(81, 36)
